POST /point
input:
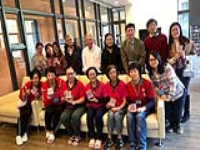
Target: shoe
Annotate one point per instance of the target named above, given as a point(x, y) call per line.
point(19, 140)
point(51, 138)
point(97, 144)
point(169, 129)
point(178, 130)
point(25, 137)
point(48, 133)
point(109, 143)
point(70, 140)
point(119, 143)
point(91, 143)
point(76, 141)
point(185, 118)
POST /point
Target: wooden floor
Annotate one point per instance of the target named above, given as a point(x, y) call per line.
point(190, 140)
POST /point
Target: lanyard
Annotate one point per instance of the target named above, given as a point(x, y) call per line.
point(137, 91)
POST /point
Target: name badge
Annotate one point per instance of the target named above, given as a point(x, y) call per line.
point(133, 107)
point(68, 94)
point(50, 91)
point(90, 95)
point(112, 102)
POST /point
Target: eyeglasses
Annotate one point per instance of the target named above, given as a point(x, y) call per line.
point(152, 60)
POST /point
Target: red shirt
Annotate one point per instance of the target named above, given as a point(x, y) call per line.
point(157, 43)
point(98, 92)
point(77, 91)
point(143, 92)
point(58, 92)
point(118, 92)
point(28, 86)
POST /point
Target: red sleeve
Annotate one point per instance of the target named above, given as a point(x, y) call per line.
point(44, 94)
point(26, 86)
point(123, 90)
point(150, 91)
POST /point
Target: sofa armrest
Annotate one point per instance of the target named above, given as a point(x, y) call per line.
point(37, 108)
point(161, 117)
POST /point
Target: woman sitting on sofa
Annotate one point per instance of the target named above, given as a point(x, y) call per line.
point(141, 98)
point(74, 98)
point(29, 92)
point(96, 107)
point(52, 91)
point(116, 93)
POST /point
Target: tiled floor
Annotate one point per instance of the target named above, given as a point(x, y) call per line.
point(190, 140)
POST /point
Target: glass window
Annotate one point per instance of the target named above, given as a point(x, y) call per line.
point(40, 5)
point(9, 3)
point(115, 16)
point(38, 29)
point(60, 29)
point(89, 10)
point(13, 29)
point(183, 5)
point(91, 29)
point(80, 8)
point(104, 14)
point(122, 15)
point(184, 21)
point(5, 77)
point(57, 6)
point(69, 7)
point(123, 34)
point(72, 29)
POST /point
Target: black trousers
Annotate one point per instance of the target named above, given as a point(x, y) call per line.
point(52, 116)
point(24, 119)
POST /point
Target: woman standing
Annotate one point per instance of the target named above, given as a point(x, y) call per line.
point(96, 107)
point(49, 54)
point(141, 98)
point(74, 97)
point(169, 88)
point(111, 54)
point(52, 91)
point(59, 59)
point(38, 61)
point(180, 48)
point(116, 94)
point(29, 92)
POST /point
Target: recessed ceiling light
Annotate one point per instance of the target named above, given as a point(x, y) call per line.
point(116, 2)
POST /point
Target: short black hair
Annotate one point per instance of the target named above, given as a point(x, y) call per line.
point(108, 68)
point(38, 44)
point(151, 21)
point(50, 70)
point(91, 68)
point(135, 65)
point(69, 66)
point(130, 25)
point(35, 71)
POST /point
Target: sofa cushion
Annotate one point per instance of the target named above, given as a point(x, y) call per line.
point(10, 109)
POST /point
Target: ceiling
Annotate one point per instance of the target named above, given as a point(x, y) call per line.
point(113, 3)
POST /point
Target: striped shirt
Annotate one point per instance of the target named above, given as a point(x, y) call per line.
point(168, 83)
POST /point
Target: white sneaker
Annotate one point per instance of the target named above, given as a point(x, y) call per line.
point(51, 138)
point(25, 137)
point(48, 134)
point(19, 140)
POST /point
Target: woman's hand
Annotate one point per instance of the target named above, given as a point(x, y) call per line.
point(115, 109)
point(141, 109)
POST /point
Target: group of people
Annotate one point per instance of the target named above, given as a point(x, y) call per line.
point(66, 101)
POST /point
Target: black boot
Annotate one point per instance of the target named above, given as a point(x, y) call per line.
point(186, 115)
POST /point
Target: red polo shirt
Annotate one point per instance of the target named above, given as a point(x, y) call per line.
point(77, 91)
point(143, 91)
point(99, 93)
point(58, 92)
point(28, 86)
point(118, 92)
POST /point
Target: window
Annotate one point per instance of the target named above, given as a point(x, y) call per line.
point(57, 6)
point(183, 5)
point(40, 5)
point(9, 3)
point(91, 29)
point(69, 7)
point(104, 14)
point(89, 10)
point(184, 21)
point(60, 30)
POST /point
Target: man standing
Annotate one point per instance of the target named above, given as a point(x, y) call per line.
point(132, 49)
point(91, 55)
point(156, 41)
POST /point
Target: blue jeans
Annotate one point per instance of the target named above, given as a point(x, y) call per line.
point(115, 121)
point(137, 129)
point(95, 115)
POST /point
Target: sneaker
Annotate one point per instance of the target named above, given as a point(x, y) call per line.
point(48, 133)
point(97, 144)
point(109, 143)
point(51, 138)
point(169, 129)
point(25, 137)
point(178, 130)
point(185, 118)
point(76, 141)
point(91, 143)
point(119, 143)
point(19, 140)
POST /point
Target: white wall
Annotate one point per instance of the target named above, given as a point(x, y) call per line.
point(164, 11)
